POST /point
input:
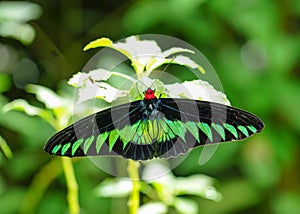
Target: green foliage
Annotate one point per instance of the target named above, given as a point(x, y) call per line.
point(13, 18)
point(163, 191)
point(254, 47)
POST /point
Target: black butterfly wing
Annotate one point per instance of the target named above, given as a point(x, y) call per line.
point(98, 134)
point(203, 122)
point(173, 127)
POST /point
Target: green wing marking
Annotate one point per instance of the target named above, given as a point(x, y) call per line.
point(113, 137)
point(252, 128)
point(56, 148)
point(206, 129)
point(231, 129)
point(76, 145)
point(219, 129)
point(101, 140)
point(87, 143)
point(244, 130)
point(65, 148)
point(126, 135)
point(192, 128)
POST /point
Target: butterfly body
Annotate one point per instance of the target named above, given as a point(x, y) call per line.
point(153, 127)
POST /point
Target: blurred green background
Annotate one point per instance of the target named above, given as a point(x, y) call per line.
point(254, 46)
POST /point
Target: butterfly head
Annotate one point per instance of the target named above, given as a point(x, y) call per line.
point(149, 94)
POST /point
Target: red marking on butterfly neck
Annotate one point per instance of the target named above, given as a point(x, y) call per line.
point(149, 94)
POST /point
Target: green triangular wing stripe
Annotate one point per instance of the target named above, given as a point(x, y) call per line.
point(164, 126)
point(65, 148)
point(126, 135)
point(231, 129)
point(192, 128)
point(252, 128)
point(171, 134)
point(181, 129)
point(113, 136)
point(155, 129)
point(244, 130)
point(172, 126)
point(76, 145)
point(87, 143)
point(56, 148)
point(136, 138)
point(219, 129)
point(100, 140)
point(206, 129)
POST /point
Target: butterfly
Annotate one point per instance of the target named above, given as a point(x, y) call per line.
point(153, 127)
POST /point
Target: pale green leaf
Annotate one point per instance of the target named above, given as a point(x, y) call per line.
point(100, 90)
point(102, 42)
point(158, 61)
point(114, 187)
point(24, 106)
point(146, 55)
point(199, 185)
point(175, 50)
point(80, 79)
point(46, 96)
point(153, 208)
point(197, 90)
point(20, 11)
point(186, 61)
point(184, 205)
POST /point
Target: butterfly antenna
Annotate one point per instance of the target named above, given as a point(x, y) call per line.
point(162, 71)
point(137, 88)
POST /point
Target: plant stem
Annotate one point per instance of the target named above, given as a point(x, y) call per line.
point(39, 185)
point(72, 186)
point(134, 199)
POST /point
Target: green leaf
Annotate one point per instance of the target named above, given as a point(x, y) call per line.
point(146, 55)
point(5, 82)
point(92, 85)
point(19, 11)
point(24, 106)
point(46, 96)
point(197, 90)
point(102, 42)
point(100, 90)
point(5, 148)
point(153, 207)
point(80, 79)
point(13, 18)
point(114, 188)
point(156, 62)
point(184, 205)
point(199, 185)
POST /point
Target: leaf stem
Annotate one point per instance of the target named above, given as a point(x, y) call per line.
point(72, 185)
point(134, 198)
point(39, 185)
point(5, 148)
